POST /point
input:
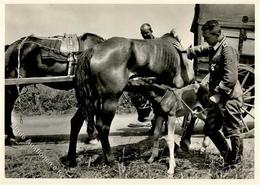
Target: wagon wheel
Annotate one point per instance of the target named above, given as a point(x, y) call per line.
point(246, 77)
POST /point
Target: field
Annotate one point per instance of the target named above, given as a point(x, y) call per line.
point(131, 147)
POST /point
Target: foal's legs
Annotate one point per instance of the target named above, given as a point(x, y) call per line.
point(104, 117)
point(156, 135)
point(76, 124)
point(170, 142)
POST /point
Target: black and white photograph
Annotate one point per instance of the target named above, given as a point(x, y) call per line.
point(129, 91)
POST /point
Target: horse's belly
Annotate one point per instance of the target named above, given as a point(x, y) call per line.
point(55, 68)
point(111, 82)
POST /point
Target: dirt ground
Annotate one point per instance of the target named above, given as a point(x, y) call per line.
point(131, 147)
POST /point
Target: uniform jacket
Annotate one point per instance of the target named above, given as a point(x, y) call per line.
point(223, 67)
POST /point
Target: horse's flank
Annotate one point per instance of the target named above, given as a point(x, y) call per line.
point(115, 58)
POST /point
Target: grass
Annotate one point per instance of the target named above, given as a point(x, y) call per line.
point(40, 99)
point(21, 162)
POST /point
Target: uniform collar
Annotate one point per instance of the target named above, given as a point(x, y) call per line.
point(216, 46)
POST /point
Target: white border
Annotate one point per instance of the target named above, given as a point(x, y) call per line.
point(4, 180)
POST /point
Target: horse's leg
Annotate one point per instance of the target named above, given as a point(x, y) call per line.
point(156, 135)
point(170, 143)
point(76, 124)
point(104, 117)
point(11, 94)
point(92, 133)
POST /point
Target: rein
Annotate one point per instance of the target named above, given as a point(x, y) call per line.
point(166, 88)
point(18, 76)
point(54, 50)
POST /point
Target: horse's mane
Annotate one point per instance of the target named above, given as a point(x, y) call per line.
point(85, 35)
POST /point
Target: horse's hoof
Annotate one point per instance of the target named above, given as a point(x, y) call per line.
point(170, 175)
point(170, 172)
point(10, 141)
point(111, 161)
point(91, 140)
point(94, 142)
point(206, 142)
point(185, 145)
point(151, 159)
point(68, 162)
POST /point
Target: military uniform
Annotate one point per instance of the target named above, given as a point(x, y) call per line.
point(223, 69)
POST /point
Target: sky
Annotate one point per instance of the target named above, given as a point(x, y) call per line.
point(106, 20)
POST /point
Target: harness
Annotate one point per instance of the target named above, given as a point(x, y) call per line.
point(179, 98)
point(59, 48)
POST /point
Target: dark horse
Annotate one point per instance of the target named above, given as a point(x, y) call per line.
point(38, 57)
point(103, 73)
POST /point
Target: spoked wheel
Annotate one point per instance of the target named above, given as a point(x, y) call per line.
point(246, 77)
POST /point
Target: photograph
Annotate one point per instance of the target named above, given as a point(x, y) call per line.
point(129, 91)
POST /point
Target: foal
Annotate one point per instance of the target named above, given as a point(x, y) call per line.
point(171, 103)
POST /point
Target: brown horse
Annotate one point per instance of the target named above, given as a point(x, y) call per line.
point(103, 73)
point(38, 57)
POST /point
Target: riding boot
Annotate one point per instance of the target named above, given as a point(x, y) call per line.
point(237, 149)
point(185, 139)
point(150, 132)
point(223, 147)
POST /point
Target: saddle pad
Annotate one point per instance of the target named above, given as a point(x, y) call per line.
point(54, 56)
point(52, 50)
point(59, 47)
point(69, 43)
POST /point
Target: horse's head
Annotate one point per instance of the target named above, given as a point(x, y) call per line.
point(203, 95)
point(89, 40)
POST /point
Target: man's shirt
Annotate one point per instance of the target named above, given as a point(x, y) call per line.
point(223, 67)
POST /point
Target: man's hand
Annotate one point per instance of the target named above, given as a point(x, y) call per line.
point(215, 98)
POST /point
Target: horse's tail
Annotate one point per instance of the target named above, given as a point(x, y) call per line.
point(83, 86)
point(11, 60)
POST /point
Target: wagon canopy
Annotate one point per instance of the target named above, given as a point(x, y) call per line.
point(238, 25)
point(230, 15)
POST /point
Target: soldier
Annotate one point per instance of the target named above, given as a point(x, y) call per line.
point(146, 31)
point(225, 93)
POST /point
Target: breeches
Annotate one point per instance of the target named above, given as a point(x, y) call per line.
point(228, 118)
